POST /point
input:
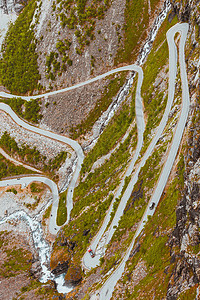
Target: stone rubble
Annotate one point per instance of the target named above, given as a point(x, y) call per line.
point(47, 147)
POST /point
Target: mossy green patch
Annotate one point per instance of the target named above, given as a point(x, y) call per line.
point(29, 111)
point(136, 22)
point(62, 209)
point(9, 169)
point(18, 66)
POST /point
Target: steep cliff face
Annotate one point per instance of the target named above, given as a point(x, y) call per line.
point(179, 266)
point(185, 239)
point(165, 262)
point(9, 6)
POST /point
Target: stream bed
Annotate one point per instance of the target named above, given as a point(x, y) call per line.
point(41, 245)
point(42, 248)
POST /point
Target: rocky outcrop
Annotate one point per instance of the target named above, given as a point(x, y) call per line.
point(185, 239)
point(60, 261)
point(36, 269)
point(9, 6)
point(73, 276)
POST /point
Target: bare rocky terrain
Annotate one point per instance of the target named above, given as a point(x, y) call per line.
point(64, 111)
point(164, 263)
point(102, 48)
point(46, 146)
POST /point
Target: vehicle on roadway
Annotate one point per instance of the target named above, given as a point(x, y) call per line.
point(91, 252)
point(152, 205)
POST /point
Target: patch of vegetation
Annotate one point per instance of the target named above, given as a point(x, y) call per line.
point(32, 155)
point(102, 104)
point(117, 200)
point(62, 209)
point(191, 293)
point(46, 215)
point(33, 205)
point(153, 243)
point(3, 238)
point(27, 154)
point(154, 100)
point(136, 23)
point(56, 162)
point(36, 187)
point(56, 61)
point(9, 169)
point(32, 111)
point(37, 288)
point(28, 110)
point(104, 179)
point(81, 14)
point(18, 65)
point(18, 260)
point(111, 136)
point(12, 190)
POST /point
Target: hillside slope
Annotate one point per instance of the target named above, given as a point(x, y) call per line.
point(55, 44)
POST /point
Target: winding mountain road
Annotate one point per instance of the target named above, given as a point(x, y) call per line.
point(97, 242)
point(108, 287)
point(80, 156)
point(28, 98)
point(106, 291)
point(53, 227)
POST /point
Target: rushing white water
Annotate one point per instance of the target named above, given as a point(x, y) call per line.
point(148, 45)
point(108, 114)
point(42, 248)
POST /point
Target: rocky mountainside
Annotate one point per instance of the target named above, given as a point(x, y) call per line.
point(179, 266)
point(54, 44)
point(9, 6)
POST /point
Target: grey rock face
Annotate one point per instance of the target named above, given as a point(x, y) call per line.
point(9, 6)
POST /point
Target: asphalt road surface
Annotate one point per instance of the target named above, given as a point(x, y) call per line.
point(105, 293)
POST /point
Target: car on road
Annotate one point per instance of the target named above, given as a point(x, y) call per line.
point(91, 252)
point(152, 206)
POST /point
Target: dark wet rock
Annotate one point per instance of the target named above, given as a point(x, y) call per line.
point(36, 269)
point(18, 8)
point(85, 232)
point(73, 276)
point(135, 250)
point(60, 268)
point(60, 261)
point(64, 241)
point(185, 15)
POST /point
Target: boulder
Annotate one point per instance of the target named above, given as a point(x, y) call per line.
point(60, 260)
point(74, 275)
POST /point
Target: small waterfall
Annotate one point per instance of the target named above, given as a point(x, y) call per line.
point(42, 248)
point(108, 114)
point(8, 14)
